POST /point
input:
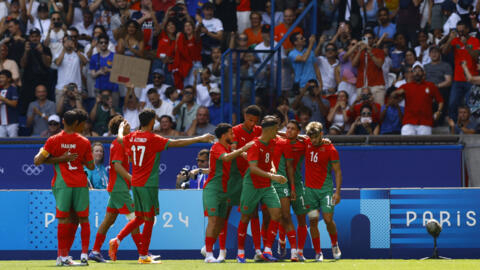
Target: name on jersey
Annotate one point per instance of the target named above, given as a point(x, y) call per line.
point(143, 140)
point(68, 146)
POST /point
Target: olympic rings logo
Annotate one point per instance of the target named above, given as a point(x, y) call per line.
point(31, 169)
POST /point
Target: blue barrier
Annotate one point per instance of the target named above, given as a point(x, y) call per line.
point(371, 224)
point(362, 166)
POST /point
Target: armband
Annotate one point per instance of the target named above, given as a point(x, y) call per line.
point(44, 153)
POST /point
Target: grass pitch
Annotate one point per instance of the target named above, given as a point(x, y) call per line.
point(199, 265)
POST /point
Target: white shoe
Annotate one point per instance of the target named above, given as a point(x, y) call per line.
point(58, 262)
point(258, 257)
point(68, 262)
point(294, 256)
point(337, 254)
point(222, 255)
point(211, 259)
point(300, 256)
point(203, 251)
point(319, 257)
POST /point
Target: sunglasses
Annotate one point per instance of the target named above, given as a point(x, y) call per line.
point(201, 160)
point(366, 114)
point(188, 93)
point(52, 123)
point(242, 39)
point(330, 49)
point(104, 42)
point(157, 76)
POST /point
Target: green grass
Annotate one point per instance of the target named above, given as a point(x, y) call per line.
point(327, 264)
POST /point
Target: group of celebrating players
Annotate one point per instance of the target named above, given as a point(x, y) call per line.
point(251, 167)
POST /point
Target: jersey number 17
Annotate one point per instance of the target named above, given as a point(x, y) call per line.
point(141, 150)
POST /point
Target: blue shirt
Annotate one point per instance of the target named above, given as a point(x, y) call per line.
point(392, 123)
point(194, 5)
point(304, 71)
point(390, 29)
point(102, 82)
point(98, 177)
point(198, 182)
point(216, 116)
point(8, 115)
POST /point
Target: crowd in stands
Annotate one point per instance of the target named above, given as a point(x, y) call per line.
point(373, 67)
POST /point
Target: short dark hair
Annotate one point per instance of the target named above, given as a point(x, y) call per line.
point(146, 116)
point(365, 106)
point(304, 110)
point(103, 36)
point(152, 91)
point(82, 115)
point(170, 90)
point(7, 73)
point(221, 129)
point(14, 20)
point(383, 9)
point(464, 23)
point(204, 152)
point(253, 110)
point(314, 81)
point(114, 124)
point(293, 37)
point(70, 117)
point(166, 116)
point(269, 121)
point(296, 123)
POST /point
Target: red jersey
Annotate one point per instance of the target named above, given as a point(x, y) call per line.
point(282, 153)
point(187, 52)
point(241, 137)
point(166, 46)
point(372, 73)
point(117, 154)
point(280, 30)
point(419, 101)
point(357, 110)
point(461, 54)
point(298, 156)
point(72, 172)
point(262, 154)
point(144, 149)
point(244, 5)
point(219, 169)
point(318, 165)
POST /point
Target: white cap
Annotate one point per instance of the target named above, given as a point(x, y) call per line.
point(215, 90)
point(417, 64)
point(54, 117)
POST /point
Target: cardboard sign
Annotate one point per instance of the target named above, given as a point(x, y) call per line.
point(130, 70)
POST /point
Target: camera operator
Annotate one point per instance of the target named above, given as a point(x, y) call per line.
point(366, 98)
point(70, 99)
point(314, 101)
point(194, 179)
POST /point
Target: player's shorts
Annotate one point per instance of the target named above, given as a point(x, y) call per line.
point(234, 188)
point(319, 199)
point(120, 203)
point(251, 196)
point(214, 203)
point(71, 198)
point(146, 201)
point(283, 191)
point(299, 206)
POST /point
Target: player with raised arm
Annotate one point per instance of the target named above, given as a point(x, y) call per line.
point(120, 201)
point(257, 187)
point(215, 188)
point(143, 148)
point(320, 159)
point(69, 151)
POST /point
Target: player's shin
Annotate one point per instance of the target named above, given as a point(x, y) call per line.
point(302, 232)
point(131, 225)
point(85, 235)
point(147, 236)
point(242, 232)
point(255, 227)
point(99, 239)
point(271, 234)
point(62, 237)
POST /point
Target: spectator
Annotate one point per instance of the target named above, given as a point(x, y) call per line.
point(158, 84)
point(397, 53)
point(8, 105)
point(408, 19)
point(203, 88)
point(98, 177)
point(179, 13)
point(440, 73)
point(370, 10)
point(166, 46)
point(195, 178)
point(121, 17)
point(171, 95)
point(36, 61)
point(422, 51)
point(385, 25)
point(303, 61)
point(343, 36)
point(318, 106)
point(146, 18)
point(159, 106)
point(215, 66)
point(283, 108)
point(93, 47)
point(39, 19)
point(254, 33)
point(267, 11)
point(347, 74)
point(304, 117)
point(100, 68)
point(130, 41)
point(131, 109)
point(448, 9)
point(87, 130)
point(15, 41)
point(391, 116)
point(53, 128)
point(464, 124)
point(465, 49)
point(281, 29)
point(201, 124)
point(186, 111)
point(243, 14)
point(187, 55)
point(102, 112)
point(70, 99)
point(69, 63)
point(226, 12)
point(211, 31)
point(419, 95)
point(364, 124)
point(39, 111)
point(53, 38)
point(166, 127)
point(338, 115)
point(365, 97)
point(85, 28)
point(410, 57)
point(215, 110)
point(328, 64)
point(369, 62)
point(8, 64)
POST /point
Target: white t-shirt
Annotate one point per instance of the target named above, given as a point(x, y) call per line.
point(166, 108)
point(213, 25)
point(56, 43)
point(328, 72)
point(203, 96)
point(77, 15)
point(82, 30)
point(451, 23)
point(161, 92)
point(263, 56)
point(42, 25)
point(426, 55)
point(111, 48)
point(3, 10)
point(69, 71)
point(132, 117)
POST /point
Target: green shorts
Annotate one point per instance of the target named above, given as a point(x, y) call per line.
point(283, 191)
point(234, 188)
point(319, 199)
point(120, 203)
point(214, 203)
point(299, 205)
point(71, 198)
point(146, 201)
point(251, 196)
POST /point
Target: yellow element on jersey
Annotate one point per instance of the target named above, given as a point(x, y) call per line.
point(44, 153)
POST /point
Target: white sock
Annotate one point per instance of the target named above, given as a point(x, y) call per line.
point(209, 254)
point(118, 241)
point(293, 251)
point(222, 253)
point(95, 252)
point(267, 249)
point(258, 251)
point(300, 250)
point(63, 258)
point(84, 256)
point(241, 252)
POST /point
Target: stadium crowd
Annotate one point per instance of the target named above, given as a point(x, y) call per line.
point(374, 67)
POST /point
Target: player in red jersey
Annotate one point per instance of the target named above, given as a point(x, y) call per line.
point(120, 201)
point(143, 148)
point(215, 188)
point(320, 159)
point(69, 151)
